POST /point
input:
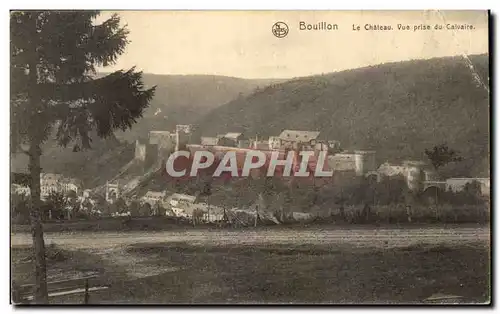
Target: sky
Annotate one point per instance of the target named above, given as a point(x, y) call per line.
point(241, 43)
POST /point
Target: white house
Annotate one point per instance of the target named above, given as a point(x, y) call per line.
point(20, 190)
point(182, 205)
point(51, 182)
point(152, 197)
point(390, 170)
point(274, 143)
point(458, 184)
point(293, 138)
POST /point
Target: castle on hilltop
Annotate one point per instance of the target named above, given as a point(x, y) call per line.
point(161, 144)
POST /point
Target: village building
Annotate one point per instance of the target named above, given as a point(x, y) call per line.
point(342, 162)
point(20, 189)
point(57, 183)
point(210, 213)
point(391, 170)
point(274, 143)
point(260, 144)
point(113, 192)
point(153, 197)
point(304, 140)
point(459, 184)
point(233, 139)
point(416, 173)
point(360, 162)
point(293, 139)
point(182, 205)
point(209, 141)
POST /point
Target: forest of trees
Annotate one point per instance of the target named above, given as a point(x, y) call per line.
point(353, 103)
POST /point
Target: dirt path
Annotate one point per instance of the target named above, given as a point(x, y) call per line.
point(376, 237)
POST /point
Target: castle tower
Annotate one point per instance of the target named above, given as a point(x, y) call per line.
point(140, 151)
point(364, 162)
point(161, 144)
point(182, 136)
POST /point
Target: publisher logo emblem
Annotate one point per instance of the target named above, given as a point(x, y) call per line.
point(280, 29)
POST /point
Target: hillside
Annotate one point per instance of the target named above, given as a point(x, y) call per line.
point(398, 109)
point(93, 166)
point(182, 99)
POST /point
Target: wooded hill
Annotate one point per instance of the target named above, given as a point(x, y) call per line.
point(398, 109)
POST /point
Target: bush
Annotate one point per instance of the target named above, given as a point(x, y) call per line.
point(19, 208)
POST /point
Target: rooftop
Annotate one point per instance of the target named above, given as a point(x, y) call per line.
point(232, 135)
point(51, 176)
point(154, 194)
point(299, 136)
point(184, 197)
point(59, 178)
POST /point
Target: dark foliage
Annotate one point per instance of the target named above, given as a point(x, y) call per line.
point(70, 100)
point(441, 155)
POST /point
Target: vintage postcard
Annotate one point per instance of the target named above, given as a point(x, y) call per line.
point(250, 157)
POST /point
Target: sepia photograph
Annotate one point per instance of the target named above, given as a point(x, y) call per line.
point(250, 157)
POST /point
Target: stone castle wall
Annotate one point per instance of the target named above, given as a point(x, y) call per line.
point(160, 145)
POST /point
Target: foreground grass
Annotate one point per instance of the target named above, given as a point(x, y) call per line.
point(61, 264)
point(291, 274)
point(150, 224)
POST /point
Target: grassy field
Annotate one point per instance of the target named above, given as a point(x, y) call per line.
point(180, 272)
point(163, 223)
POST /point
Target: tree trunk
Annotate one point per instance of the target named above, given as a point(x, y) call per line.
point(35, 130)
point(41, 295)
